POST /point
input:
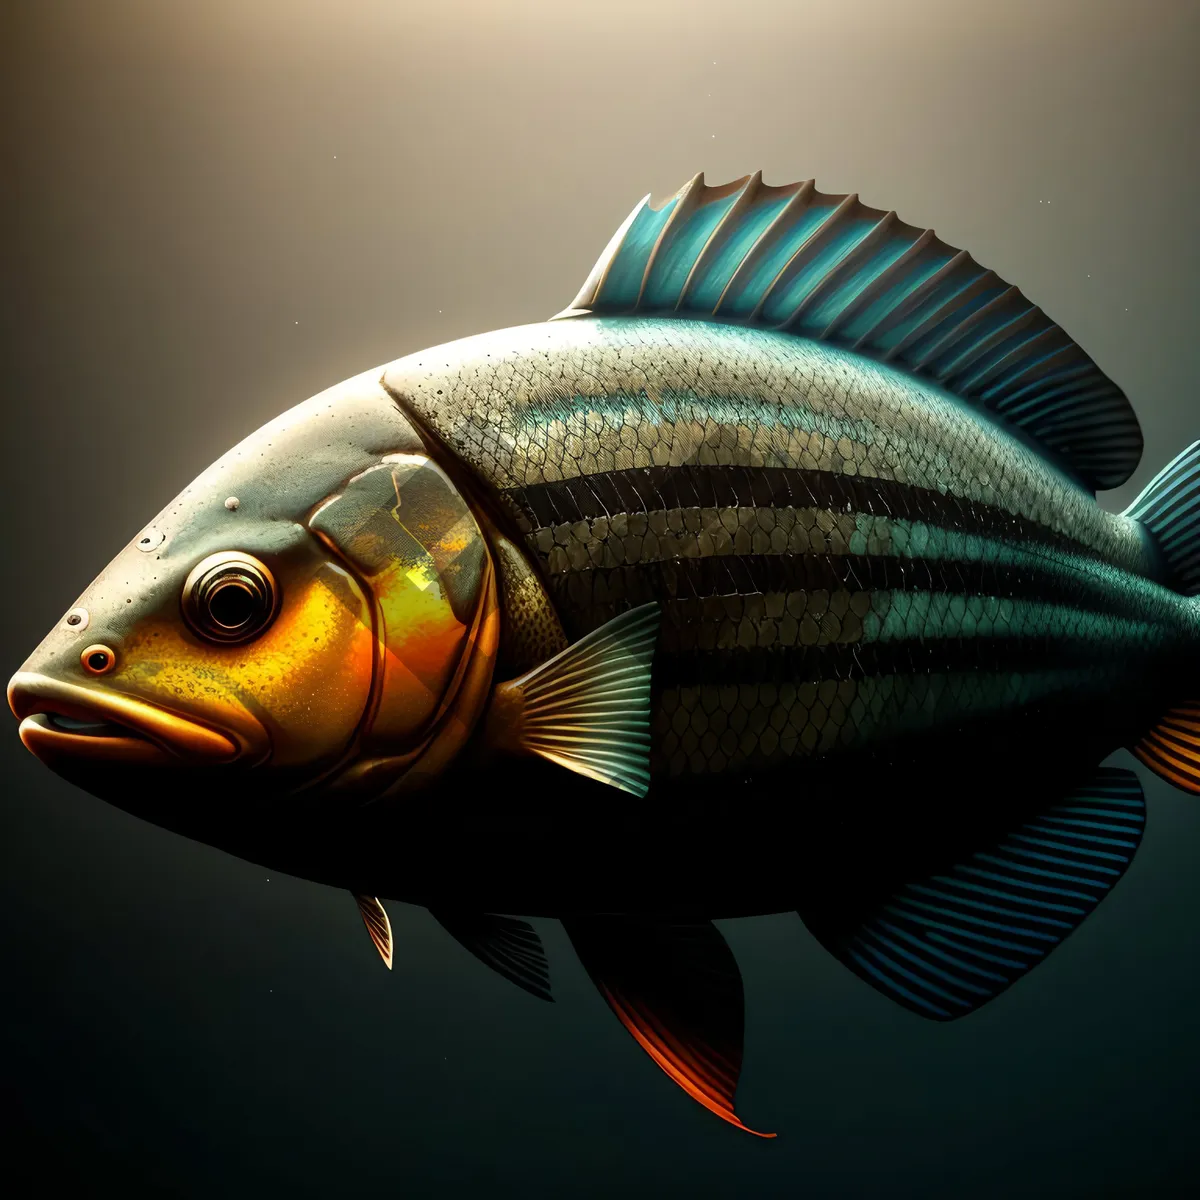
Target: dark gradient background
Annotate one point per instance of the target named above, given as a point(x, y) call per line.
point(214, 210)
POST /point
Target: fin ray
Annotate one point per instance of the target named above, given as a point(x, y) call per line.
point(1172, 748)
point(830, 268)
point(379, 927)
point(588, 708)
point(510, 947)
point(676, 988)
point(1167, 507)
point(947, 943)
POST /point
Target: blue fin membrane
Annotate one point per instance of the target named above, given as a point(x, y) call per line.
point(945, 944)
point(510, 947)
point(829, 268)
point(1169, 507)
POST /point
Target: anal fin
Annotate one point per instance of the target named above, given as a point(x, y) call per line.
point(676, 988)
point(375, 918)
point(510, 947)
point(946, 943)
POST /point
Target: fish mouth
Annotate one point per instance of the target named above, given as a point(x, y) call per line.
point(63, 720)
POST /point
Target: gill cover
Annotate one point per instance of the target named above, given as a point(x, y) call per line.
point(411, 538)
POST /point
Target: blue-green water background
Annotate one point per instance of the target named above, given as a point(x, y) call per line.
point(215, 210)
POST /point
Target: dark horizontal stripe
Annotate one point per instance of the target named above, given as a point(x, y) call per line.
point(645, 489)
point(601, 588)
point(864, 660)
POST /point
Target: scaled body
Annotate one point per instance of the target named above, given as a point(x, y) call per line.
point(843, 554)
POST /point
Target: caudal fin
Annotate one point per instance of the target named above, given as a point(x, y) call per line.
point(1169, 507)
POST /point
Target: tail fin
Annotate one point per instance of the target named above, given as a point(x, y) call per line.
point(1169, 507)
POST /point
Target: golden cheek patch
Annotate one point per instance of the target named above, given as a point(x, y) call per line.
point(410, 534)
point(305, 680)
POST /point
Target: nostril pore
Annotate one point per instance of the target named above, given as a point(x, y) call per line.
point(98, 660)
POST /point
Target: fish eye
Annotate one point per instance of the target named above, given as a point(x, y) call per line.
point(229, 597)
point(98, 660)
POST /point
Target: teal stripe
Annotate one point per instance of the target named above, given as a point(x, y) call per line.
point(951, 898)
point(892, 985)
point(1025, 883)
point(904, 973)
point(925, 948)
point(1121, 858)
point(925, 965)
point(903, 615)
point(1092, 812)
point(942, 939)
point(1020, 901)
point(1062, 862)
point(1001, 862)
point(1056, 820)
point(958, 916)
point(1085, 837)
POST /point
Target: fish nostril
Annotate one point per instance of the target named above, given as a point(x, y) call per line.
point(77, 619)
point(98, 660)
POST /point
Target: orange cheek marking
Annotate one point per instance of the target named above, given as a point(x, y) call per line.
point(422, 642)
point(306, 678)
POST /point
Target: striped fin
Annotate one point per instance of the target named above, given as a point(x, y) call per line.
point(375, 918)
point(829, 268)
point(510, 947)
point(948, 943)
point(588, 708)
point(1172, 748)
point(676, 987)
point(1169, 507)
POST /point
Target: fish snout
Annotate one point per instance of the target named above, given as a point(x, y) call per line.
point(61, 720)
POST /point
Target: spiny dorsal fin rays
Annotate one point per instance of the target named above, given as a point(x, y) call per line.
point(375, 918)
point(596, 276)
point(798, 196)
point(829, 268)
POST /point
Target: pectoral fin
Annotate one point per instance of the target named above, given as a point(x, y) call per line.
point(676, 988)
point(375, 918)
point(588, 707)
point(510, 947)
point(946, 943)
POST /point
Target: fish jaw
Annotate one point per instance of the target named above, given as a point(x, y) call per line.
point(65, 721)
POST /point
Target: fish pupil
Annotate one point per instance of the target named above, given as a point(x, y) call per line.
point(98, 661)
point(232, 604)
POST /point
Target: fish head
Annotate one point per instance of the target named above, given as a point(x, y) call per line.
point(229, 652)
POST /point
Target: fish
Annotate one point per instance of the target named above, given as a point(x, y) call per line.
point(767, 576)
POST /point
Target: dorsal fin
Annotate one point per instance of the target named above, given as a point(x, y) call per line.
point(829, 268)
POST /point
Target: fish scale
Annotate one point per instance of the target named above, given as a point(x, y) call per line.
point(846, 523)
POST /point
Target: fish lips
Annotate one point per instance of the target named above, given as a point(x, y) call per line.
point(64, 721)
